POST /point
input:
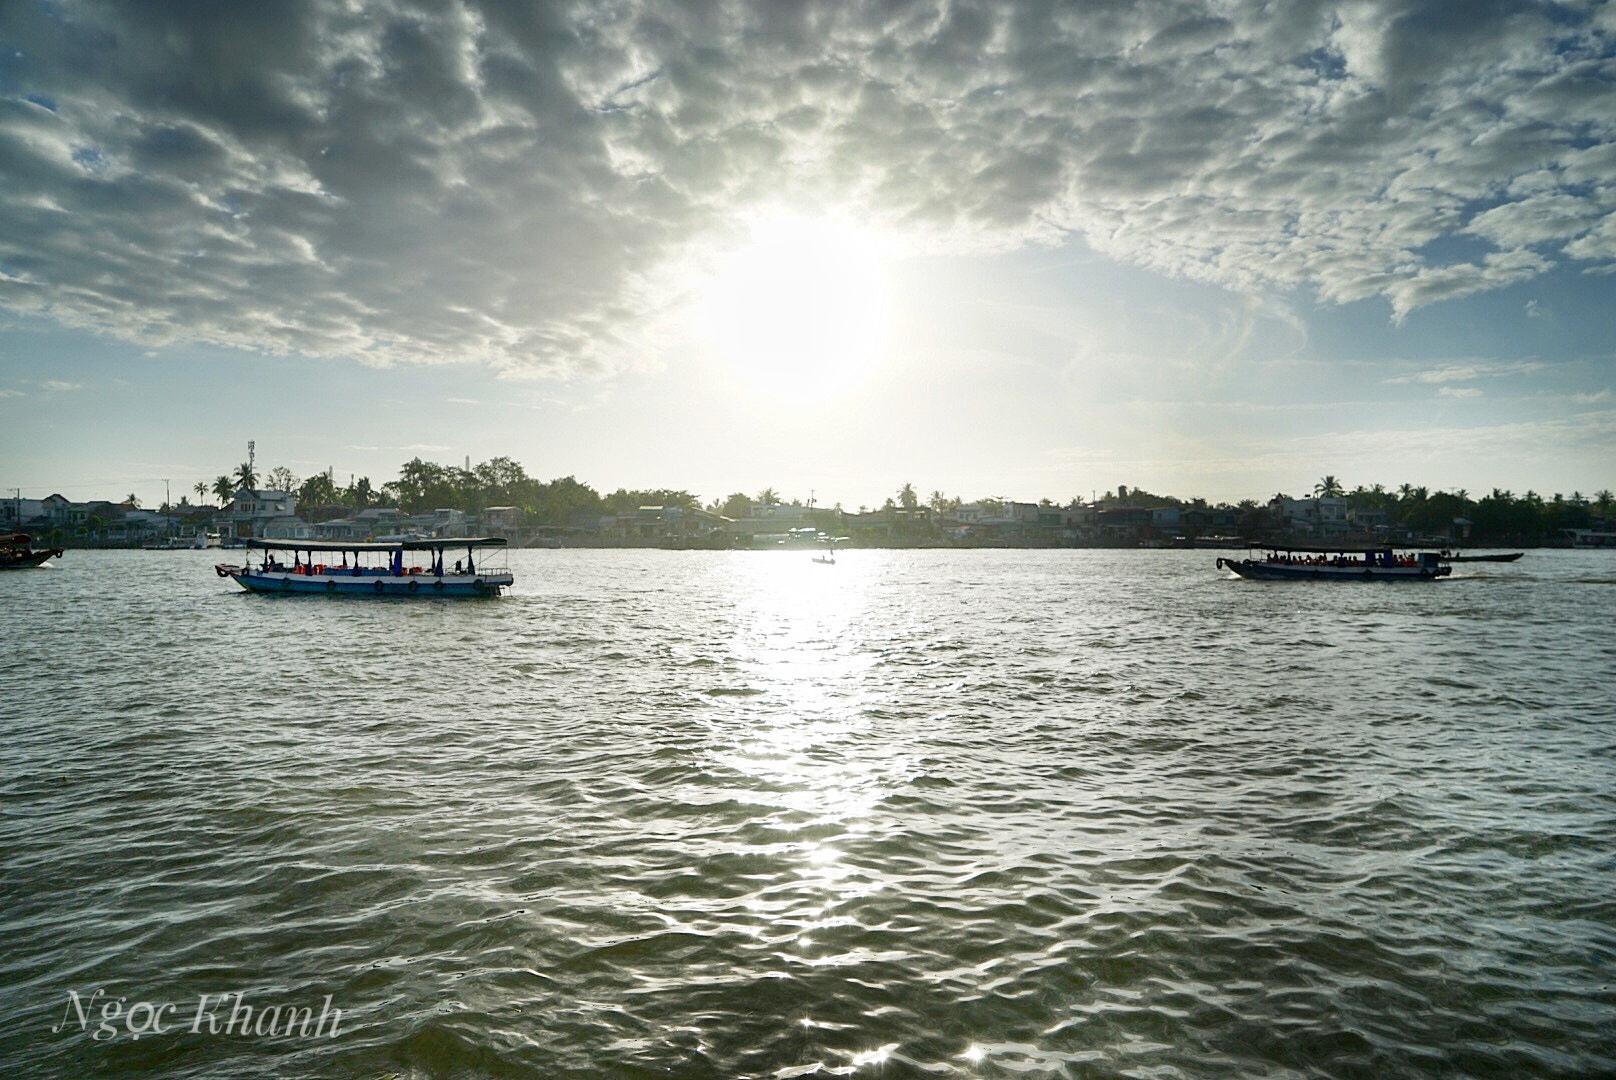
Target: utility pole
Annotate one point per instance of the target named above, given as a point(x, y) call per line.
point(252, 445)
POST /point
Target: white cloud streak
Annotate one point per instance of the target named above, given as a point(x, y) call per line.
point(509, 184)
point(1469, 372)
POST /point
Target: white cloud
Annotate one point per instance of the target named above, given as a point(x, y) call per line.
point(516, 184)
point(1469, 372)
point(1458, 392)
point(11, 393)
point(57, 386)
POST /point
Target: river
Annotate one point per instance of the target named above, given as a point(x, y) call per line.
point(714, 814)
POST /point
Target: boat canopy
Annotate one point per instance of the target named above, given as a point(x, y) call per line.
point(394, 545)
point(1339, 549)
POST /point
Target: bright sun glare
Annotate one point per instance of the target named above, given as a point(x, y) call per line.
point(802, 311)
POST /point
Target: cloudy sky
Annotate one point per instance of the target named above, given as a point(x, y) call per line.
point(1216, 248)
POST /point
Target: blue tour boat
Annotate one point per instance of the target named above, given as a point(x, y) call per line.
point(351, 568)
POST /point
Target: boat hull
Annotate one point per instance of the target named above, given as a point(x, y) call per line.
point(28, 559)
point(1266, 571)
point(372, 585)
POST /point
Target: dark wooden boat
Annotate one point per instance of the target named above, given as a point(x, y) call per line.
point(1285, 563)
point(1509, 557)
point(18, 553)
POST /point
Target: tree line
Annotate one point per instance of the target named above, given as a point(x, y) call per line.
point(1499, 516)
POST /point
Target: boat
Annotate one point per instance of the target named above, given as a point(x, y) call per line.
point(830, 542)
point(354, 568)
point(18, 553)
point(1504, 557)
point(1338, 564)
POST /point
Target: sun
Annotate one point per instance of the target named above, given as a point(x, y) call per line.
point(801, 312)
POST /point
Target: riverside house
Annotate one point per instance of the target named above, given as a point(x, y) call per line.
point(259, 512)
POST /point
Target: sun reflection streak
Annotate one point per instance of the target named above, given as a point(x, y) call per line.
point(800, 737)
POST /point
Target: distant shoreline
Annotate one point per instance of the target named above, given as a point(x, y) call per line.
point(653, 545)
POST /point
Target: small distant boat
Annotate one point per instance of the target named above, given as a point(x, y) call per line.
point(375, 569)
point(18, 553)
point(1507, 557)
point(830, 542)
point(1219, 543)
point(1338, 564)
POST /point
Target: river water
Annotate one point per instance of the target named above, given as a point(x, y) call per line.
point(700, 814)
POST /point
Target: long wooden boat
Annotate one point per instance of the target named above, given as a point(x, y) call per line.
point(18, 553)
point(1504, 557)
point(411, 568)
point(1338, 564)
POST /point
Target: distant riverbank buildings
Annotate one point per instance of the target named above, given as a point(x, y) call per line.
point(259, 513)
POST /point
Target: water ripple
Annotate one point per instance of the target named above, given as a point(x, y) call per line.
point(736, 815)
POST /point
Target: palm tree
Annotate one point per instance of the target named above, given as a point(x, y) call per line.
point(1328, 487)
point(907, 497)
point(938, 501)
point(132, 499)
point(201, 489)
point(245, 476)
point(224, 489)
point(768, 497)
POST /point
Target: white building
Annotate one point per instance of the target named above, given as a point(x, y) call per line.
point(257, 512)
point(1326, 514)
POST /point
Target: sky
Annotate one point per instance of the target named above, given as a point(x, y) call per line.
point(1204, 247)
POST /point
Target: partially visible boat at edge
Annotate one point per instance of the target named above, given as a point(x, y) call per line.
point(375, 569)
point(1338, 564)
point(18, 553)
